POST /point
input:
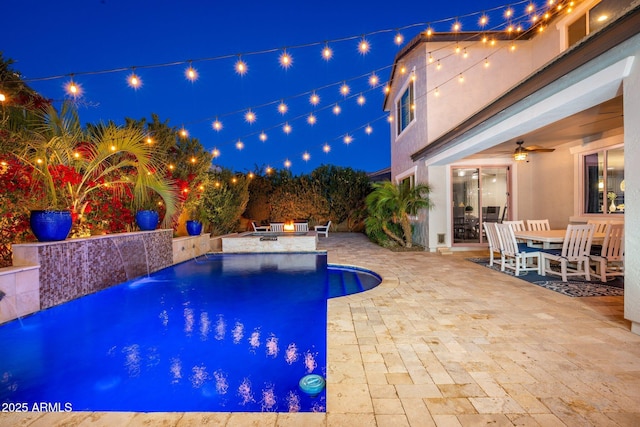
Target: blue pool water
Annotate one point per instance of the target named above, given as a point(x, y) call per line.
point(225, 333)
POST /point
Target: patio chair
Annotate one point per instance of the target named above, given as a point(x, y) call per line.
point(492, 238)
point(301, 226)
point(610, 261)
point(538, 224)
point(276, 226)
point(514, 255)
point(257, 227)
point(323, 229)
point(516, 225)
point(599, 225)
point(573, 258)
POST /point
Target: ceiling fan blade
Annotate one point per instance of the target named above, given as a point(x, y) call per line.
point(536, 148)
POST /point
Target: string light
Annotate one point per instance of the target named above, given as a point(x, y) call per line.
point(3, 97)
point(457, 26)
point(374, 80)
point(241, 67)
point(327, 53)
point(134, 81)
point(215, 153)
point(250, 117)
point(345, 89)
point(326, 148)
point(191, 74)
point(306, 156)
point(508, 13)
point(348, 139)
point(73, 89)
point(465, 54)
point(216, 125)
point(286, 128)
point(368, 130)
point(364, 46)
point(314, 99)
point(282, 108)
point(431, 58)
point(461, 78)
point(311, 119)
point(361, 100)
point(183, 133)
point(286, 60)
point(336, 109)
point(486, 63)
point(263, 136)
point(436, 92)
point(149, 140)
point(239, 145)
point(390, 118)
point(531, 8)
point(483, 21)
point(429, 31)
point(287, 163)
point(398, 39)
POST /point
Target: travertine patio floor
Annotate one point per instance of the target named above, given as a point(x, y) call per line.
point(445, 342)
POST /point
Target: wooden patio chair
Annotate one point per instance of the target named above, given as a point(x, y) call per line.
point(538, 224)
point(301, 226)
point(573, 258)
point(492, 237)
point(514, 255)
point(610, 261)
point(323, 229)
point(516, 225)
point(276, 226)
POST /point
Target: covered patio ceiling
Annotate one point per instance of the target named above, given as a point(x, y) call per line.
point(594, 123)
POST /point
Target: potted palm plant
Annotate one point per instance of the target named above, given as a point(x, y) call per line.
point(70, 164)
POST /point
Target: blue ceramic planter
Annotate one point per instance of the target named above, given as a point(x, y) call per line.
point(50, 226)
point(147, 220)
point(194, 228)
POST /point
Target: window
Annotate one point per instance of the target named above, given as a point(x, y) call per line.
point(405, 108)
point(603, 181)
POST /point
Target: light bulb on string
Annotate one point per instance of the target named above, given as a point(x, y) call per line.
point(483, 21)
point(326, 148)
point(287, 163)
point(361, 100)
point(368, 130)
point(436, 92)
point(457, 26)
point(374, 80)
point(263, 137)
point(73, 88)
point(3, 97)
point(306, 156)
point(531, 8)
point(268, 170)
point(239, 145)
point(465, 54)
point(282, 108)
point(336, 109)
point(508, 13)
point(348, 139)
point(286, 60)
point(431, 58)
point(486, 63)
point(241, 67)
point(183, 133)
point(461, 78)
point(286, 128)
point(311, 119)
point(217, 125)
point(364, 46)
point(191, 74)
point(134, 81)
point(314, 99)
point(327, 53)
point(345, 89)
point(387, 89)
point(429, 31)
point(398, 39)
point(250, 117)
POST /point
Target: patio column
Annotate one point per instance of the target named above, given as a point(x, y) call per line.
point(631, 88)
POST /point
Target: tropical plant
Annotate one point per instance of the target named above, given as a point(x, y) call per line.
point(392, 204)
point(70, 165)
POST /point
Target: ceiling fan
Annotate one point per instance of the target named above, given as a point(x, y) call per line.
point(521, 152)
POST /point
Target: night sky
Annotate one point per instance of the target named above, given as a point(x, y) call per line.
point(99, 43)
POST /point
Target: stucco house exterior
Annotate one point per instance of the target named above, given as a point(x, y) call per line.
point(568, 88)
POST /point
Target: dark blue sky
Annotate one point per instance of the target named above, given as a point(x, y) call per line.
point(86, 37)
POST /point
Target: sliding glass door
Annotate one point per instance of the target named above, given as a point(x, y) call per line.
point(479, 194)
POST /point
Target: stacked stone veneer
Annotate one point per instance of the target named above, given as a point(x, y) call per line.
point(77, 267)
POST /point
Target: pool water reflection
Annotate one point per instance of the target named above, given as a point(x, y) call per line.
point(226, 333)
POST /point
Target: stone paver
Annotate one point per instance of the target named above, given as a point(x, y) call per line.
point(445, 342)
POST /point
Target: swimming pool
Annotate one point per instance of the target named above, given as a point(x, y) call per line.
point(225, 333)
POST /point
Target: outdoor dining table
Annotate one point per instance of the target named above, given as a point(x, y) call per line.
point(549, 238)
